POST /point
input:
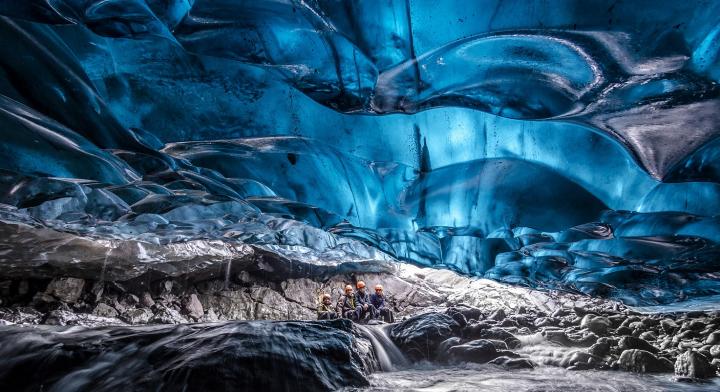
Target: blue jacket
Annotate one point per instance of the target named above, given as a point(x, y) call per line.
point(362, 299)
point(378, 301)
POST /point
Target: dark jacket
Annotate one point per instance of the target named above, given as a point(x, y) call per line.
point(362, 299)
point(324, 308)
point(346, 303)
point(378, 301)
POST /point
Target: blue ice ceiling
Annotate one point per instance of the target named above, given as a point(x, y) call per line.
point(560, 144)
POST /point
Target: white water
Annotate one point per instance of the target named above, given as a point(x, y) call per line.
point(489, 378)
point(388, 354)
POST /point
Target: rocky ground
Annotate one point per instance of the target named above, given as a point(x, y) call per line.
point(687, 344)
point(69, 300)
point(444, 318)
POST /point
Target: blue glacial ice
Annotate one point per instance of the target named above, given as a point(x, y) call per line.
point(567, 146)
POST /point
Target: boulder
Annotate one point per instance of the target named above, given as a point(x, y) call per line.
point(669, 326)
point(193, 307)
point(66, 289)
point(477, 351)
point(444, 347)
point(137, 316)
point(495, 333)
point(631, 342)
point(498, 315)
point(599, 349)
point(596, 324)
point(513, 363)
point(165, 315)
point(640, 361)
point(146, 300)
point(713, 339)
point(579, 360)
point(419, 336)
point(694, 365)
point(105, 310)
point(715, 351)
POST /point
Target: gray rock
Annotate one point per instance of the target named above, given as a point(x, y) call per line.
point(648, 336)
point(513, 363)
point(444, 347)
point(66, 289)
point(419, 336)
point(146, 300)
point(694, 365)
point(105, 310)
point(131, 299)
point(137, 316)
point(546, 322)
point(194, 308)
point(66, 317)
point(210, 316)
point(498, 315)
point(477, 351)
point(596, 324)
point(165, 315)
point(495, 333)
point(640, 361)
point(631, 342)
point(580, 360)
point(669, 326)
point(21, 315)
point(715, 351)
point(562, 338)
point(713, 338)
point(599, 349)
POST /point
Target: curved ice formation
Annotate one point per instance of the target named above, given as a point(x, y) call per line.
point(572, 145)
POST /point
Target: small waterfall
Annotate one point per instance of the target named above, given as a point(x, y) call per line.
point(388, 354)
point(227, 273)
point(105, 261)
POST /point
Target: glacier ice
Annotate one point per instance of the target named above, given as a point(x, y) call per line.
point(571, 145)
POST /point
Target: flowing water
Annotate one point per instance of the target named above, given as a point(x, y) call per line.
point(389, 356)
point(490, 378)
point(400, 375)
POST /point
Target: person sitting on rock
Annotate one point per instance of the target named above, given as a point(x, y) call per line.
point(325, 311)
point(363, 299)
point(378, 301)
point(347, 305)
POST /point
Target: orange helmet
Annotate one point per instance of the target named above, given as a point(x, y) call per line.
point(348, 288)
point(360, 284)
point(378, 287)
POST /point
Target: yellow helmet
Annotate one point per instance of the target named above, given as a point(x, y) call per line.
point(360, 284)
point(378, 287)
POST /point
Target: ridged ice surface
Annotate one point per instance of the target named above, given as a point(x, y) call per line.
point(569, 145)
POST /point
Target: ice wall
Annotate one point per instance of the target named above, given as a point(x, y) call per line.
point(541, 143)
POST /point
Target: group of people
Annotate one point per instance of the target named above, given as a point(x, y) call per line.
point(357, 305)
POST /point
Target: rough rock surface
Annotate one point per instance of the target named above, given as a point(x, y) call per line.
point(261, 355)
point(419, 336)
point(694, 365)
point(640, 361)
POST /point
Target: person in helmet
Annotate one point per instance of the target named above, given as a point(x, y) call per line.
point(368, 311)
point(347, 305)
point(378, 301)
point(325, 310)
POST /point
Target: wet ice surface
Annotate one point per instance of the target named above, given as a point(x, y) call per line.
point(543, 379)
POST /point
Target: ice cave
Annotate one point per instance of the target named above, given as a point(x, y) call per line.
point(360, 195)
